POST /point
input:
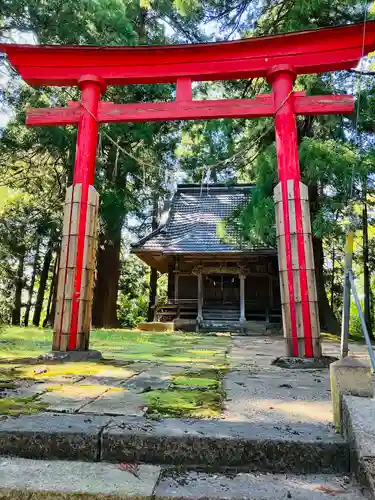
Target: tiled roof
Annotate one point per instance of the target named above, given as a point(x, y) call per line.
point(192, 222)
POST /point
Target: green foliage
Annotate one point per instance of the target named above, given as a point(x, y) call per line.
point(133, 291)
point(186, 7)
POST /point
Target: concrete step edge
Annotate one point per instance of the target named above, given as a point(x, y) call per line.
point(28, 479)
point(212, 444)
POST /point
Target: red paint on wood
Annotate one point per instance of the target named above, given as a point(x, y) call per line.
point(315, 51)
point(66, 269)
point(323, 105)
point(84, 174)
point(285, 124)
point(184, 91)
point(302, 273)
point(260, 106)
point(289, 265)
point(282, 79)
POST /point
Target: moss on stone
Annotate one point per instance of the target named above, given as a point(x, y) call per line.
point(182, 403)
point(20, 406)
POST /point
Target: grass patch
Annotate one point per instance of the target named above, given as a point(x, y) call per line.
point(190, 381)
point(203, 378)
point(122, 345)
point(8, 373)
point(203, 357)
point(20, 406)
point(196, 394)
point(81, 369)
point(355, 337)
point(7, 385)
point(180, 403)
point(75, 390)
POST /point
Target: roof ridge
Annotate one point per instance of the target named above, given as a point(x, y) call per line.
point(217, 185)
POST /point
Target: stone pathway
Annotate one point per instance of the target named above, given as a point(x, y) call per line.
point(44, 479)
point(256, 391)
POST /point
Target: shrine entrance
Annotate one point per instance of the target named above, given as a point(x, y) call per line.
point(221, 289)
point(279, 59)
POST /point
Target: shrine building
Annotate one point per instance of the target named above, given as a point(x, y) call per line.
point(215, 281)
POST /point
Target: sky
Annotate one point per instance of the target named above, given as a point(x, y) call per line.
point(14, 37)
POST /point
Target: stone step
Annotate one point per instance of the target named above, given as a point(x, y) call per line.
point(235, 326)
point(222, 315)
point(42, 479)
point(218, 319)
point(209, 444)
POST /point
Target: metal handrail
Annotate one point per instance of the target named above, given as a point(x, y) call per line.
point(349, 285)
point(361, 317)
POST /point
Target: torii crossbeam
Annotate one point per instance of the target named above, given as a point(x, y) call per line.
point(278, 58)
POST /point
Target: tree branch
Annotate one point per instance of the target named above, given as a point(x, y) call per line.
point(359, 72)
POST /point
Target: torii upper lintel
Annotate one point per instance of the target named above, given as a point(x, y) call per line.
point(314, 51)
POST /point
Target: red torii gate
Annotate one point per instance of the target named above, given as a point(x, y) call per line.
point(278, 58)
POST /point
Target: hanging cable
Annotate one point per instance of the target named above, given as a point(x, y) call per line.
point(359, 91)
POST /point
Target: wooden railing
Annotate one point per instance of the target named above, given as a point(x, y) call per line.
point(177, 309)
point(188, 309)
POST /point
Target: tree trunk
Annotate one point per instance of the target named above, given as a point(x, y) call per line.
point(333, 277)
point(366, 272)
point(42, 285)
point(153, 273)
point(51, 303)
point(104, 312)
point(153, 294)
point(16, 312)
point(32, 283)
point(328, 320)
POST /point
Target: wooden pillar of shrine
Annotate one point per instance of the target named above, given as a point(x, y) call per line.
point(294, 238)
point(200, 297)
point(242, 298)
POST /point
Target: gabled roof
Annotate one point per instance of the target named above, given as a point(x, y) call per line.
point(191, 225)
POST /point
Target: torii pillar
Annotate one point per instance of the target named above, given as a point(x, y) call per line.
point(79, 237)
point(293, 228)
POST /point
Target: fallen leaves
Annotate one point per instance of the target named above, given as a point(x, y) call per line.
point(131, 468)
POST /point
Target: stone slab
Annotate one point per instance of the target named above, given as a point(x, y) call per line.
point(304, 363)
point(110, 378)
point(33, 390)
point(349, 376)
point(358, 424)
point(90, 355)
point(66, 480)
point(116, 402)
point(366, 473)
point(52, 436)
point(303, 448)
point(71, 398)
point(199, 486)
point(277, 396)
point(148, 381)
point(26, 389)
